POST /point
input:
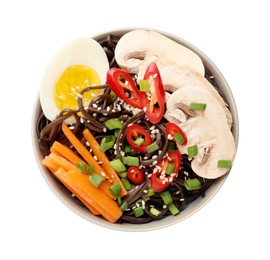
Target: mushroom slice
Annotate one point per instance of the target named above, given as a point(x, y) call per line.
point(136, 46)
point(175, 77)
point(208, 130)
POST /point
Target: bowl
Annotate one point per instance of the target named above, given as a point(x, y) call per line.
point(192, 208)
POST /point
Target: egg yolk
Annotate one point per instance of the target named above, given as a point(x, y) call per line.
point(71, 82)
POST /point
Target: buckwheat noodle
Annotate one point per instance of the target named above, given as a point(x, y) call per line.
point(93, 116)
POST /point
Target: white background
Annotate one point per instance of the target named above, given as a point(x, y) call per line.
point(34, 224)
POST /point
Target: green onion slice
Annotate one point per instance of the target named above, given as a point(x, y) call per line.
point(170, 168)
point(90, 168)
point(81, 166)
point(139, 141)
point(132, 161)
point(144, 85)
point(179, 139)
point(118, 166)
point(138, 212)
point(115, 189)
point(197, 106)
point(96, 179)
point(166, 197)
point(224, 164)
point(192, 184)
point(173, 209)
point(107, 143)
point(113, 123)
point(192, 151)
point(152, 147)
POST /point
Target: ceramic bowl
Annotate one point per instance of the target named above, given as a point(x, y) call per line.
point(192, 208)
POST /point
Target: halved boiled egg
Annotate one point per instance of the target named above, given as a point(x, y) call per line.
point(81, 63)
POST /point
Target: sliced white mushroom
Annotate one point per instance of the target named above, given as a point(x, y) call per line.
point(138, 45)
point(208, 130)
point(175, 77)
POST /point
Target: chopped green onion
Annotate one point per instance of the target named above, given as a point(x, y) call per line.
point(115, 189)
point(151, 192)
point(138, 212)
point(144, 85)
point(166, 197)
point(192, 184)
point(113, 123)
point(90, 168)
point(124, 206)
point(155, 211)
point(173, 209)
point(179, 139)
point(107, 143)
point(192, 151)
point(224, 164)
point(116, 132)
point(139, 141)
point(119, 201)
point(126, 184)
point(172, 146)
point(197, 106)
point(127, 149)
point(132, 161)
point(122, 174)
point(170, 168)
point(152, 147)
point(113, 95)
point(81, 166)
point(118, 166)
point(96, 179)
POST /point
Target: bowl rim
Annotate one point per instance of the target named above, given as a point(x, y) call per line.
point(193, 207)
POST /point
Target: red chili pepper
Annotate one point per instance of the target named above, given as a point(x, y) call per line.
point(154, 106)
point(172, 129)
point(159, 184)
point(135, 175)
point(133, 132)
point(122, 84)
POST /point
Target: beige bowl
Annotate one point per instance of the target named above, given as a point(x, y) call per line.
point(61, 193)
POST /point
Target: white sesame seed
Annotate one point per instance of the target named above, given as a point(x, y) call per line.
point(81, 120)
point(103, 174)
point(170, 137)
point(99, 108)
point(177, 192)
point(182, 199)
point(164, 206)
point(94, 115)
point(170, 179)
point(112, 176)
point(95, 105)
point(79, 95)
point(136, 187)
point(71, 127)
point(87, 143)
point(155, 162)
point(104, 129)
point(152, 127)
point(122, 153)
point(73, 195)
point(145, 191)
point(95, 157)
point(149, 175)
point(137, 205)
point(100, 162)
point(154, 156)
point(108, 109)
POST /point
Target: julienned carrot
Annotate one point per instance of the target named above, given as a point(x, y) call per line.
point(67, 166)
point(83, 151)
point(50, 164)
point(103, 158)
point(65, 152)
point(59, 173)
point(81, 187)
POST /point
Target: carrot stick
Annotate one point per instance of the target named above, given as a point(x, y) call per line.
point(50, 164)
point(67, 166)
point(83, 151)
point(103, 158)
point(59, 173)
point(81, 187)
point(65, 152)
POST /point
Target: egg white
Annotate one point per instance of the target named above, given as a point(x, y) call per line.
point(84, 51)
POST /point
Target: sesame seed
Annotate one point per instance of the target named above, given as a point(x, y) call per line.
point(95, 157)
point(81, 120)
point(171, 179)
point(177, 192)
point(99, 108)
point(112, 176)
point(108, 109)
point(152, 127)
point(137, 205)
point(104, 129)
point(145, 191)
point(100, 162)
point(154, 156)
point(149, 175)
point(170, 137)
point(155, 170)
point(155, 162)
point(94, 115)
point(103, 174)
point(95, 105)
point(136, 187)
point(73, 195)
point(122, 153)
point(87, 143)
point(71, 127)
point(79, 95)
point(182, 199)
point(164, 206)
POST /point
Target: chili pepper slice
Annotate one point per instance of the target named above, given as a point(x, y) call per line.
point(135, 175)
point(154, 106)
point(173, 129)
point(159, 181)
point(122, 84)
point(133, 132)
